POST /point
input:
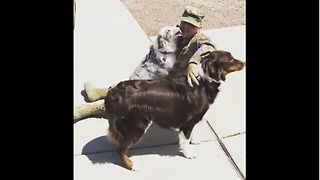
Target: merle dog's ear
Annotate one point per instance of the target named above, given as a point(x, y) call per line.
point(168, 35)
point(161, 42)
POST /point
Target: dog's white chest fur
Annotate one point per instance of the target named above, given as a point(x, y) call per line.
point(166, 60)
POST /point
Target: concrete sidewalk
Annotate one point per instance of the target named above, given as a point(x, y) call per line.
point(108, 45)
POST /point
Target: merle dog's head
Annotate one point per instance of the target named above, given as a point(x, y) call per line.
point(167, 39)
point(218, 64)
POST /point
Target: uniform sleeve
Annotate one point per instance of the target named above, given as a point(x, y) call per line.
point(205, 47)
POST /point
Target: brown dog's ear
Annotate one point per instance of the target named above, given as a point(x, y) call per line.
point(211, 69)
point(213, 55)
point(218, 72)
point(222, 74)
point(219, 64)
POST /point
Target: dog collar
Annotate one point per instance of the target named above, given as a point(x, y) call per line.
point(210, 80)
point(207, 77)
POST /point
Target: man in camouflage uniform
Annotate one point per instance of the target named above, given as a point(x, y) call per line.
point(191, 49)
point(194, 46)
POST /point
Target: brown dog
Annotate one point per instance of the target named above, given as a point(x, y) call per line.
point(132, 105)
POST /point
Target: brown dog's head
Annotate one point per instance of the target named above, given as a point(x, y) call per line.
point(218, 64)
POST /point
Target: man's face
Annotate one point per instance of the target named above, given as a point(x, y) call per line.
point(188, 30)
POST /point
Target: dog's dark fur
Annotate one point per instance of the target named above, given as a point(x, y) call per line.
point(170, 102)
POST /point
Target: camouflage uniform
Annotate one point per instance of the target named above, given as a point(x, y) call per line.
point(191, 51)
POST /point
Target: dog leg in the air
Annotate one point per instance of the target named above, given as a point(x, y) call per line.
point(95, 94)
point(185, 146)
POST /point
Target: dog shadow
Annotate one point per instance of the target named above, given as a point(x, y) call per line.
point(156, 141)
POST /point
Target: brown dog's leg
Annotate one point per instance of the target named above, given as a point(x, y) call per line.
point(95, 94)
point(126, 144)
point(87, 110)
point(122, 151)
point(184, 140)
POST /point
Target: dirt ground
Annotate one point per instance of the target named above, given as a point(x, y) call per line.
point(154, 14)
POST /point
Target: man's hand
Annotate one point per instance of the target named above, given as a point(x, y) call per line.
point(193, 73)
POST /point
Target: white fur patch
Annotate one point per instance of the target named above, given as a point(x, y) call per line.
point(150, 123)
point(185, 146)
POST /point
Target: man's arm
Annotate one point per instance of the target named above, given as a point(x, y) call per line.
point(204, 49)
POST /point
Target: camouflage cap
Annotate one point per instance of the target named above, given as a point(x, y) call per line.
point(193, 16)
